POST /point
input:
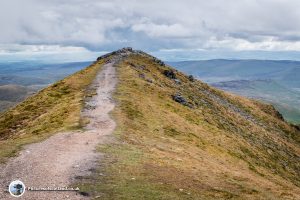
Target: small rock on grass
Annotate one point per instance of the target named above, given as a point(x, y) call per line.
point(170, 74)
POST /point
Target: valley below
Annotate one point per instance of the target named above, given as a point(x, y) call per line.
point(21, 79)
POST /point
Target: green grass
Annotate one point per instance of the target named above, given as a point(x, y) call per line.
point(55, 108)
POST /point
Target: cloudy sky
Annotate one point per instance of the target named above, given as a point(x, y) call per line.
point(189, 29)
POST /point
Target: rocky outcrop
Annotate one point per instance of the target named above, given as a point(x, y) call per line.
point(170, 74)
point(191, 78)
point(180, 99)
point(124, 51)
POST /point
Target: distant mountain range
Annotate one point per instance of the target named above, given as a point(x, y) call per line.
point(277, 82)
point(18, 80)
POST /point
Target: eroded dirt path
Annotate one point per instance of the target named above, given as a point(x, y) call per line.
point(57, 161)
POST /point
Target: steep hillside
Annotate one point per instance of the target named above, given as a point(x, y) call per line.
point(276, 82)
point(54, 108)
point(284, 99)
point(178, 138)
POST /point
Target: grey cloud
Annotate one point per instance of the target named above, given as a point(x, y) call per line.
point(155, 24)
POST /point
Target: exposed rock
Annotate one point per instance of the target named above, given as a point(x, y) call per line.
point(127, 49)
point(180, 99)
point(123, 51)
point(191, 78)
point(170, 74)
point(161, 63)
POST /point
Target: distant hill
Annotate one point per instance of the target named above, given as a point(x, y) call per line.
point(176, 137)
point(20, 79)
point(276, 82)
point(13, 94)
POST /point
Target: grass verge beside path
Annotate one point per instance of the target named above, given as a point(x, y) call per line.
point(55, 108)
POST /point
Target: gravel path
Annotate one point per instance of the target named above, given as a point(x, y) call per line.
point(56, 161)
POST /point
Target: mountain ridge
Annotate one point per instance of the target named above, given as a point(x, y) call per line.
point(179, 138)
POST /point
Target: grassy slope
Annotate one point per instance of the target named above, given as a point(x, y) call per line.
point(55, 108)
point(226, 147)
